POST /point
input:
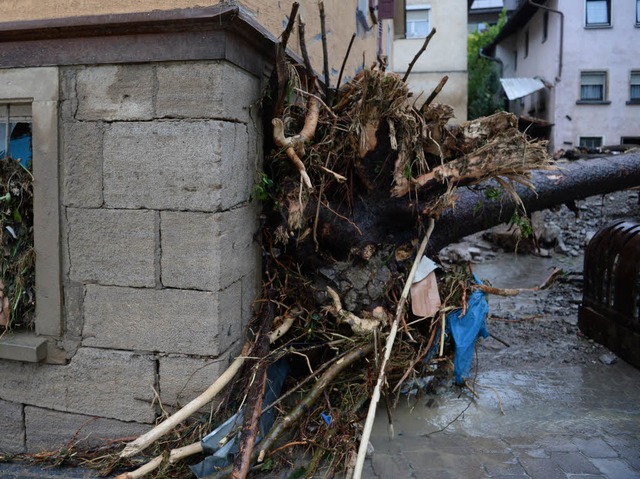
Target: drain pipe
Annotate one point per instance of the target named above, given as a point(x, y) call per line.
point(531, 2)
point(482, 54)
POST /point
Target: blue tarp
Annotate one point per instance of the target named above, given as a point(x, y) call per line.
point(465, 330)
point(221, 456)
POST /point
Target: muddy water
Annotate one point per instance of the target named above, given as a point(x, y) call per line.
point(523, 271)
point(571, 400)
point(544, 405)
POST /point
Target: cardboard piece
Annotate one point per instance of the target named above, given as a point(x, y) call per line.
point(425, 297)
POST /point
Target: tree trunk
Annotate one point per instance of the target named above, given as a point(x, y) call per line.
point(382, 219)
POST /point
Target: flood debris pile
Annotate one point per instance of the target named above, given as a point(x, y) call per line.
point(352, 309)
point(345, 317)
point(17, 283)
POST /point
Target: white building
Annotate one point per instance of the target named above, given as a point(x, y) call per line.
point(446, 54)
point(574, 64)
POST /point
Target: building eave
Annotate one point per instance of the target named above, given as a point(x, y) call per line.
point(518, 19)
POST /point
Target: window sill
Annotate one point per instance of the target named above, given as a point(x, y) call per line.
point(595, 27)
point(589, 102)
point(633, 102)
point(23, 346)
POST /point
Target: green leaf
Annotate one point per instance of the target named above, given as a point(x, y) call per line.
point(17, 217)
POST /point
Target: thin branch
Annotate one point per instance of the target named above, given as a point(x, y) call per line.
point(325, 55)
point(305, 55)
point(178, 417)
point(368, 425)
point(344, 61)
point(287, 31)
point(303, 406)
point(143, 470)
point(434, 93)
point(420, 52)
point(251, 420)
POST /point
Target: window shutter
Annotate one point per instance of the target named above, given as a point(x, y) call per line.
point(386, 9)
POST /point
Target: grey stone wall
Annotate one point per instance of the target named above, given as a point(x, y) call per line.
point(160, 267)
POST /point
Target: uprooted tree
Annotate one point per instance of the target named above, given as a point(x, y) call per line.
point(355, 181)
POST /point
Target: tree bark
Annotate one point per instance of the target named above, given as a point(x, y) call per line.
point(380, 218)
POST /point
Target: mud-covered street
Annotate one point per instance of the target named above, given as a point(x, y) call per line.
point(552, 404)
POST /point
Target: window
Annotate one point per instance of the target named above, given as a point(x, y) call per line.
point(418, 20)
point(630, 140)
point(545, 26)
point(29, 99)
point(515, 60)
point(15, 132)
point(593, 86)
point(17, 274)
point(591, 142)
point(526, 44)
point(637, 12)
point(634, 87)
point(598, 13)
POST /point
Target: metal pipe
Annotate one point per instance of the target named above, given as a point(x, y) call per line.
point(7, 135)
point(531, 2)
point(482, 54)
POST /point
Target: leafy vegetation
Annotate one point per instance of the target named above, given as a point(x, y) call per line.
point(484, 77)
point(17, 288)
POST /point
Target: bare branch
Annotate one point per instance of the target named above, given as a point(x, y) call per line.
point(420, 52)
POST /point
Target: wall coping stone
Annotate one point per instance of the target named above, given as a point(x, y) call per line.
point(200, 33)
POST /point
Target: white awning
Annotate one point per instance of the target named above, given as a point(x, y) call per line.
point(519, 87)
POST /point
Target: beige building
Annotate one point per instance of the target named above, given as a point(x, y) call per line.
point(145, 142)
point(398, 36)
point(342, 20)
point(447, 51)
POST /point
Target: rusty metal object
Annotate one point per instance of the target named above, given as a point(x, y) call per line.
point(610, 310)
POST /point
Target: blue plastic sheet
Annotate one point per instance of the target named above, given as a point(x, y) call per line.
point(219, 456)
point(465, 330)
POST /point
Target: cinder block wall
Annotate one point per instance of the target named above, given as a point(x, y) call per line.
point(160, 266)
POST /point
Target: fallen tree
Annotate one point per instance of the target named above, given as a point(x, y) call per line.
point(476, 210)
point(351, 180)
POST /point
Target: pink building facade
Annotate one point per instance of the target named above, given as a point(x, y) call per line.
point(587, 55)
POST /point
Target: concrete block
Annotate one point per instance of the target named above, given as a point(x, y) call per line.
point(97, 382)
point(169, 320)
point(73, 315)
point(205, 90)
point(177, 165)
point(67, 77)
point(112, 247)
point(184, 378)
point(50, 430)
point(208, 251)
point(82, 164)
point(251, 289)
point(12, 427)
point(115, 92)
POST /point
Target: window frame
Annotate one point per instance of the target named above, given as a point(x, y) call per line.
point(580, 138)
point(39, 86)
point(605, 88)
point(637, 13)
point(633, 100)
point(8, 117)
point(607, 24)
point(423, 7)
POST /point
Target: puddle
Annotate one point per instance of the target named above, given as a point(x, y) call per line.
point(580, 400)
point(523, 271)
